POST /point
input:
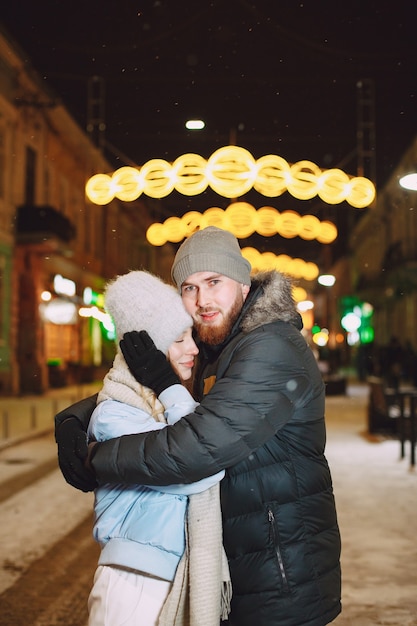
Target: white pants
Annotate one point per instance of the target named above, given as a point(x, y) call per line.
point(125, 598)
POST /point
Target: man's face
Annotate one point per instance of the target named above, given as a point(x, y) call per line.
point(214, 302)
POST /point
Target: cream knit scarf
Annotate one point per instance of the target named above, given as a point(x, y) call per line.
point(201, 591)
point(119, 384)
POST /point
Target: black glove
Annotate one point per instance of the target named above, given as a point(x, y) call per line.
point(148, 364)
point(72, 454)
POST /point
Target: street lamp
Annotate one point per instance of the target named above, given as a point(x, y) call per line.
point(409, 181)
point(194, 124)
point(327, 280)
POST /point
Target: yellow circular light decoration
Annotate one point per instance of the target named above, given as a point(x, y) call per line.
point(273, 176)
point(361, 192)
point(158, 178)
point(127, 185)
point(242, 218)
point(214, 217)
point(231, 171)
point(288, 222)
point(266, 221)
point(156, 235)
point(252, 255)
point(192, 222)
point(175, 229)
point(333, 186)
point(99, 189)
point(304, 180)
point(283, 264)
point(310, 227)
point(190, 174)
point(269, 260)
point(299, 294)
point(328, 232)
point(311, 271)
point(296, 268)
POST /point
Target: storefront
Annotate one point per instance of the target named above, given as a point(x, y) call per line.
point(63, 334)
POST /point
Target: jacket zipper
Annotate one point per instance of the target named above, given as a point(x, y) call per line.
point(271, 519)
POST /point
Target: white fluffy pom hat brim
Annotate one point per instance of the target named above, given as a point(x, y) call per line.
point(139, 300)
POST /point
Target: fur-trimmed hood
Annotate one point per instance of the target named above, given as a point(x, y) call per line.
point(269, 300)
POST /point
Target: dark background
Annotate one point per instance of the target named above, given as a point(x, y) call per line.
point(277, 76)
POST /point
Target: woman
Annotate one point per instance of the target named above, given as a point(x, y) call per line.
point(141, 530)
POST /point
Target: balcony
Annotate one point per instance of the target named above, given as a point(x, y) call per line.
point(36, 224)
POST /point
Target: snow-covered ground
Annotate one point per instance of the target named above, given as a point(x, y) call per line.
point(376, 496)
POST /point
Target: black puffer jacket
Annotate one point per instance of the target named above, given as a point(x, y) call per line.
point(263, 420)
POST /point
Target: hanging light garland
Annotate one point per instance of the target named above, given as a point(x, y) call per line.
point(297, 268)
point(243, 220)
point(231, 172)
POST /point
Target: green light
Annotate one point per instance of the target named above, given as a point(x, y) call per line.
point(92, 297)
point(367, 335)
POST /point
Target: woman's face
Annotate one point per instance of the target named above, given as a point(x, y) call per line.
point(181, 355)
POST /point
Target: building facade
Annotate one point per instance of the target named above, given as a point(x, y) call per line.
point(57, 249)
point(384, 258)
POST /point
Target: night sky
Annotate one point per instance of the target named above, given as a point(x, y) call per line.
point(281, 75)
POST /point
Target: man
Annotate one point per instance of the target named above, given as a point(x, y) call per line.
point(261, 418)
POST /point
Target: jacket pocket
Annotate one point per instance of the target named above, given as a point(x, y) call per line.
point(274, 535)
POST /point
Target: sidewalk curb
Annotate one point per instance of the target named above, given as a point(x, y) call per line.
point(38, 412)
point(15, 441)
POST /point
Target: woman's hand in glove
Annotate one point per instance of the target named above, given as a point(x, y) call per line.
point(148, 364)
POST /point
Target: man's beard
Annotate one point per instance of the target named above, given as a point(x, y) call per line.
point(215, 335)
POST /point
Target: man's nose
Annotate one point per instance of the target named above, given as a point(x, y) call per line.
point(203, 298)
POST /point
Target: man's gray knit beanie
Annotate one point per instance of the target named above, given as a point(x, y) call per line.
point(140, 301)
point(211, 250)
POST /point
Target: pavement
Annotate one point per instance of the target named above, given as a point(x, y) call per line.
point(375, 490)
point(376, 499)
point(25, 417)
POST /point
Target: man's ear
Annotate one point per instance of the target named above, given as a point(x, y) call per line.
point(245, 291)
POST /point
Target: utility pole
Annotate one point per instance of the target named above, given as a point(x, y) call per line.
point(366, 145)
point(96, 124)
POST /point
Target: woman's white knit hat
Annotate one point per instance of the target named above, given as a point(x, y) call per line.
point(211, 249)
point(140, 301)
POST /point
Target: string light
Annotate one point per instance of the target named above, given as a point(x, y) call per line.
point(242, 219)
point(297, 268)
point(231, 172)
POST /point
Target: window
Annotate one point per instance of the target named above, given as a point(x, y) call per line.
point(2, 164)
point(3, 299)
point(30, 178)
